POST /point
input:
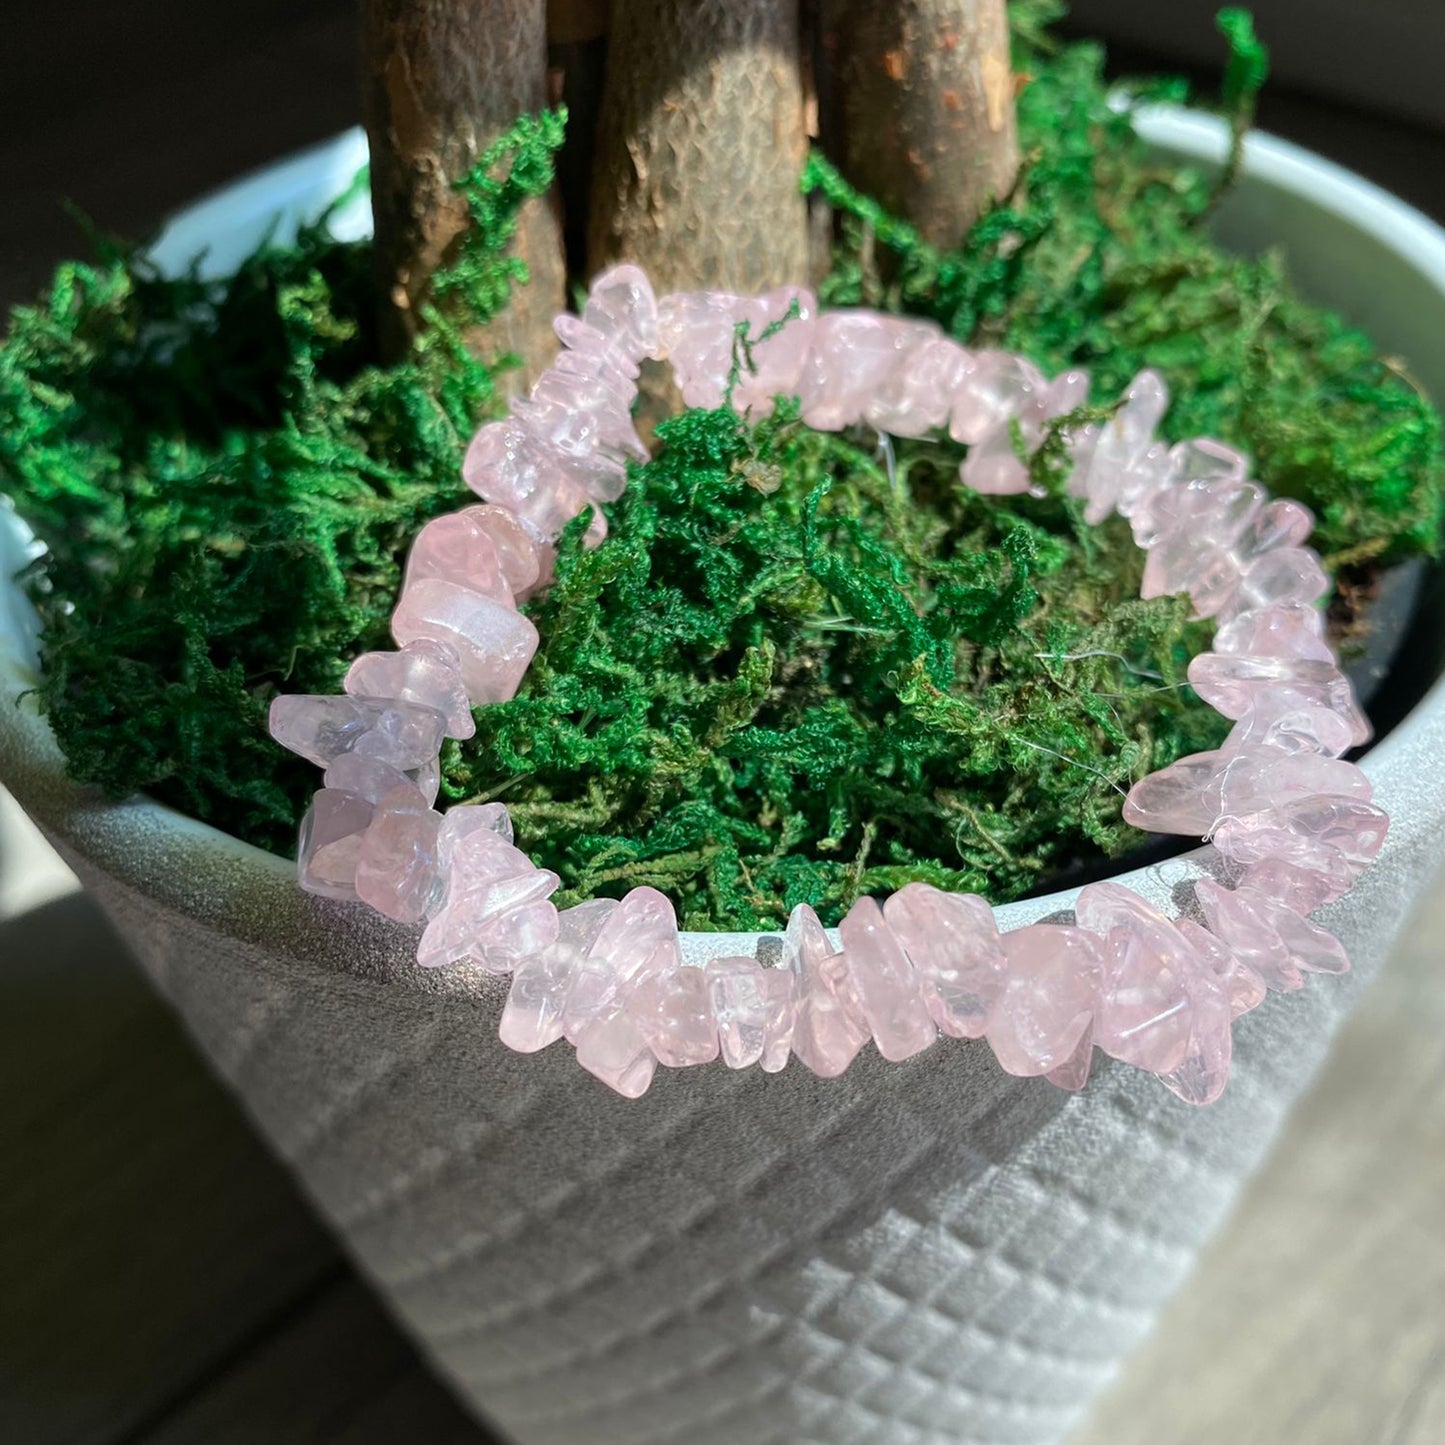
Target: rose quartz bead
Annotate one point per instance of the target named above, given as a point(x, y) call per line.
point(330, 845)
point(1145, 1012)
point(916, 396)
point(780, 988)
point(397, 871)
point(1300, 891)
point(1231, 682)
point(1270, 937)
point(778, 362)
point(639, 935)
point(621, 307)
point(673, 1013)
point(740, 1007)
point(1291, 723)
point(424, 674)
point(1203, 459)
point(458, 548)
point(830, 1027)
point(614, 1050)
point(887, 989)
point(1210, 513)
point(534, 1013)
point(696, 332)
point(321, 728)
point(1191, 554)
point(1193, 794)
point(993, 468)
point(1242, 985)
point(584, 340)
point(1291, 630)
point(506, 464)
point(1119, 465)
point(1277, 524)
point(372, 779)
point(1048, 1001)
point(1073, 1073)
point(495, 642)
point(852, 355)
point(579, 416)
point(497, 911)
point(1287, 574)
point(996, 387)
point(953, 942)
point(1334, 839)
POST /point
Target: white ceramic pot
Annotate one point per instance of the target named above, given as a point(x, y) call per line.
point(924, 1252)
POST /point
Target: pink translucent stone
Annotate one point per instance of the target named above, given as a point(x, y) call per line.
point(1119, 465)
point(1334, 839)
point(993, 468)
point(397, 872)
point(424, 674)
point(887, 989)
point(997, 386)
point(853, 354)
point(673, 1011)
point(1284, 575)
point(497, 911)
point(1268, 936)
point(1291, 723)
point(1277, 524)
point(614, 1050)
point(1145, 1012)
point(466, 820)
point(1242, 985)
point(1210, 513)
point(1299, 890)
point(1073, 1073)
point(697, 335)
point(639, 935)
point(458, 548)
point(580, 416)
point(916, 397)
point(508, 465)
point(584, 340)
point(1289, 630)
point(830, 1027)
point(1193, 794)
point(1232, 683)
point(1048, 1000)
point(494, 642)
point(780, 995)
point(777, 363)
point(372, 779)
point(330, 846)
point(953, 942)
point(534, 1013)
point(621, 307)
point(740, 1006)
point(1203, 459)
point(321, 728)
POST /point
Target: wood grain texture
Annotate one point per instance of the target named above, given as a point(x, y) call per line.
point(700, 145)
point(441, 80)
point(918, 107)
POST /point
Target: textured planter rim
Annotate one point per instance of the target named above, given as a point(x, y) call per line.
point(176, 863)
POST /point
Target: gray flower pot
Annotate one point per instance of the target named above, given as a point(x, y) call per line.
point(920, 1252)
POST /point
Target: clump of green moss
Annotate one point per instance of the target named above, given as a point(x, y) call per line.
point(797, 669)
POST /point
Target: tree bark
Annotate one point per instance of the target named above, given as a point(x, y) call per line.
point(700, 144)
point(919, 107)
point(442, 79)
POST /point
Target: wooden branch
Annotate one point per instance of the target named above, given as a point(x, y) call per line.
point(919, 107)
point(700, 144)
point(442, 79)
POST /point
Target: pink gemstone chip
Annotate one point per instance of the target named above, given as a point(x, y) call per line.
point(330, 845)
point(672, 1010)
point(887, 987)
point(424, 674)
point(321, 728)
point(830, 1026)
point(494, 641)
point(953, 942)
point(1048, 1002)
point(534, 1013)
point(397, 871)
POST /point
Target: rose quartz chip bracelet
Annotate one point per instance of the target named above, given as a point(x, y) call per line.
point(1293, 821)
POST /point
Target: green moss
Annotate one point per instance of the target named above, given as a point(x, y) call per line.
point(797, 669)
